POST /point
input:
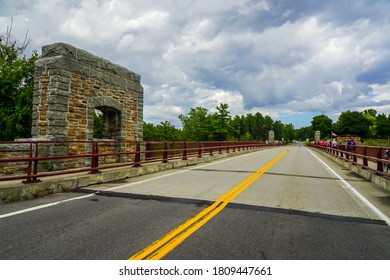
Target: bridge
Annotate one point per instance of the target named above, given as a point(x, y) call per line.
point(278, 202)
point(66, 195)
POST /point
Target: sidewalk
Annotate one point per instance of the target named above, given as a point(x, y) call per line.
point(371, 175)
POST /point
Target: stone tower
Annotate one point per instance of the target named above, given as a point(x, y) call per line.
point(71, 83)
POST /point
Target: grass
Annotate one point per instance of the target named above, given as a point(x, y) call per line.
point(376, 142)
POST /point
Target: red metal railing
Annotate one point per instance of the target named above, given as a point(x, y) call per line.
point(36, 155)
point(367, 157)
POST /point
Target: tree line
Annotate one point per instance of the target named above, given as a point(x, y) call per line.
point(200, 125)
point(367, 124)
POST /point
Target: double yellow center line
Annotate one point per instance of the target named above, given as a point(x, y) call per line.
point(163, 246)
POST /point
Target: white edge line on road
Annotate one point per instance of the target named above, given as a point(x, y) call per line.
point(43, 206)
point(353, 192)
point(111, 189)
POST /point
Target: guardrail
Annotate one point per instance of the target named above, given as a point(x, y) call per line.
point(36, 160)
point(367, 157)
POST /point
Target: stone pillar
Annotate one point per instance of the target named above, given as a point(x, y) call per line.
point(271, 136)
point(317, 136)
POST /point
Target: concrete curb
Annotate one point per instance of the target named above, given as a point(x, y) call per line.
point(16, 190)
point(367, 174)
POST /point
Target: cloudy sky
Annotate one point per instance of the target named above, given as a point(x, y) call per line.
point(288, 59)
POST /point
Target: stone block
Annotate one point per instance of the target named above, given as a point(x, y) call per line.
point(54, 98)
point(64, 87)
point(58, 123)
point(87, 58)
point(59, 49)
point(57, 115)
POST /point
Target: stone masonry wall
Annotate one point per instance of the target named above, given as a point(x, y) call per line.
point(13, 151)
point(21, 150)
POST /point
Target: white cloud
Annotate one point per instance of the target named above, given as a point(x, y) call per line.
point(246, 8)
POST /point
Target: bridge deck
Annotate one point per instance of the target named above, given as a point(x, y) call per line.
point(281, 203)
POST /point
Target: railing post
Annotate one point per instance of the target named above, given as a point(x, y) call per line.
point(137, 158)
point(339, 152)
point(35, 171)
point(95, 158)
point(199, 149)
point(354, 156)
point(365, 161)
point(185, 151)
point(165, 153)
point(29, 167)
point(379, 164)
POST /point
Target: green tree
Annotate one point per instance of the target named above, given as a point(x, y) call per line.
point(149, 132)
point(221, 124)
point(16, 88)
point(322, 123)
point(268, 124)
point(370, 116)
point(383, 126)
point(278, 130)
point(237, 125)
point(165, 131)
point(304, 133)
point(250, 126)
point(98, 123)
point(261, 134)
point(289, 132)
point(256, 126)
point(197, 125)
point(353, 123)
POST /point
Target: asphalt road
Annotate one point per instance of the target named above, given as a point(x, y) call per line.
point(292, 208)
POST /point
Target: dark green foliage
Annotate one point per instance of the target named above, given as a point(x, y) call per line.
point(366, 124)
point(353, 123)
point(165, 131)
point(199, 125)
point(221, 123)
point(16, 89)
point(383, 126)
point(304, 133)
point(323, 124)
point(98, 123)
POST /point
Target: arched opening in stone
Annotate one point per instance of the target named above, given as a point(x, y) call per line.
point(106, 123)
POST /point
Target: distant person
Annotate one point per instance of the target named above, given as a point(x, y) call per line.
point(334, 143)
point(387, 157)
point(351, 145)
